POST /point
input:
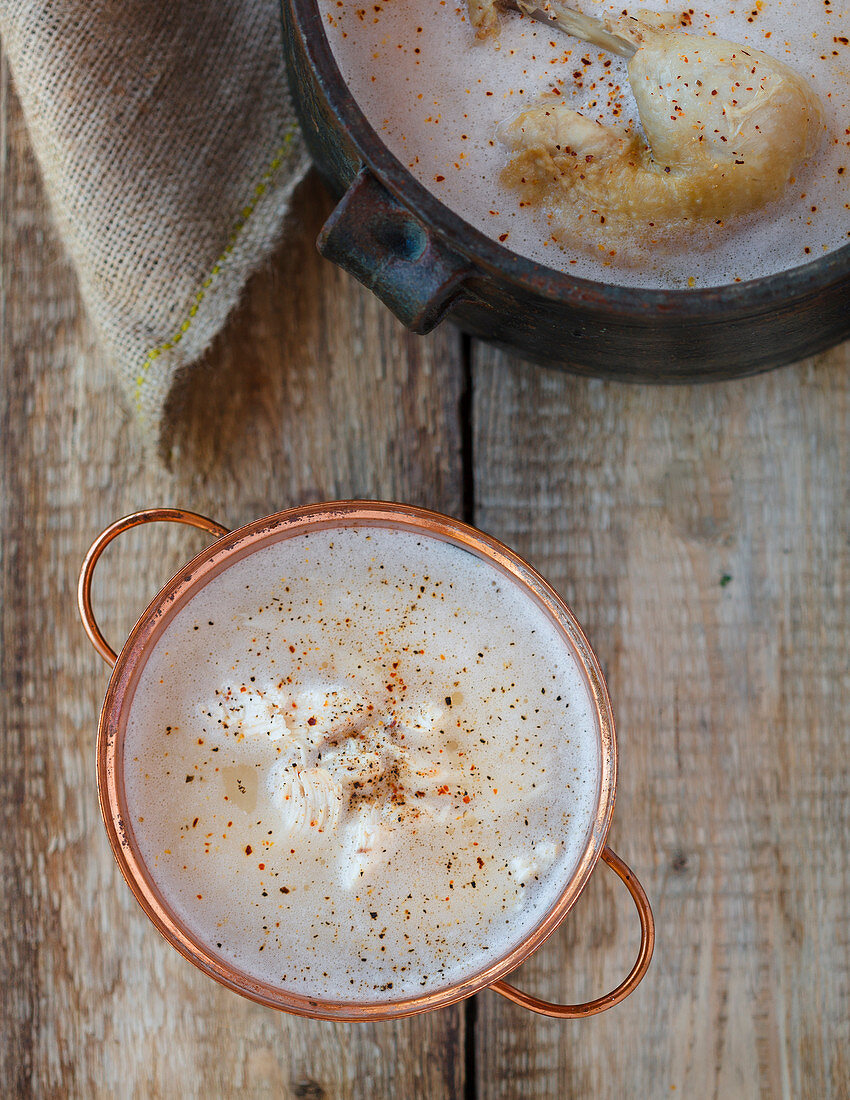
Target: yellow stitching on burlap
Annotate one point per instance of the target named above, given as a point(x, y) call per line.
point(246, 213)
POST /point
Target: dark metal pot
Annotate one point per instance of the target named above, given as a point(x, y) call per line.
point(426, 264)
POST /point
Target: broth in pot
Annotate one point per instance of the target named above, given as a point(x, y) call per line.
point(361, 763)
point(452, 106)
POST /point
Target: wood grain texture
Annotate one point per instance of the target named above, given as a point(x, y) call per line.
point(702, 535)
point(315, 392)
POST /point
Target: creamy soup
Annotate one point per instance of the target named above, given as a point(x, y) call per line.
point(437, 97)
point(361, 764)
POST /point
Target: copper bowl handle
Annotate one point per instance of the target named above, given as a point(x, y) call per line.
point(149, 515)
point(647, 943)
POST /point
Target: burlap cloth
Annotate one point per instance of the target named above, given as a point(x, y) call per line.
point(169, 152)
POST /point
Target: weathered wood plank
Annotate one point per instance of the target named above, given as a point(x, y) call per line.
point(702, 536)
point(314, 392)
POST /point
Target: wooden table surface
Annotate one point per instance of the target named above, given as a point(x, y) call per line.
point(702, 536)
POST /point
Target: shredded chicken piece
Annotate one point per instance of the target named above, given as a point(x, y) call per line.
point(527, 866)
point(250, 715)
point(726, 127)
point(322, 712)
point(367, 838)
point(308, 798)
point(417, 720)
point(343, 765)
point(483, 14)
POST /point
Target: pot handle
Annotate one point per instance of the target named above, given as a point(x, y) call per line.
point(149, 515)
point(381, 243)
point(627, 986)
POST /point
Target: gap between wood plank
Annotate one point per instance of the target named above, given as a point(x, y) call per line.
point(467, 457)
point(470, 1007)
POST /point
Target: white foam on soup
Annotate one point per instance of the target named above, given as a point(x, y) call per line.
point(361, 764)
point(436, 95)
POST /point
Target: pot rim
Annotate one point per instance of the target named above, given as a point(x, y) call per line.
point(179, 590)
point(752, 296)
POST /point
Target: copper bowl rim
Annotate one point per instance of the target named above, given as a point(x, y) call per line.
point(208, 564)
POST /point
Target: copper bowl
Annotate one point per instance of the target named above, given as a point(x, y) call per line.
point(231, 547)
